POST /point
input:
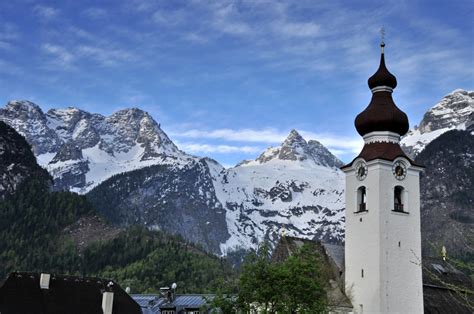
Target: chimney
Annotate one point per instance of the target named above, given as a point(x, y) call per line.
point(108, 299)
point(107, 302)
point(44, 281)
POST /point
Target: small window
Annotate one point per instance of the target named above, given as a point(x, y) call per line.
point(168, 312)
point(361, 199)
point(399, 198)
point(362, 273)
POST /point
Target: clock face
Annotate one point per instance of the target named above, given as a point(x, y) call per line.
point(399, 170)
point(361, 170)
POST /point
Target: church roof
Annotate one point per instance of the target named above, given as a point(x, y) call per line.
point(382, 77)
point(381, 150)
point(382, 114)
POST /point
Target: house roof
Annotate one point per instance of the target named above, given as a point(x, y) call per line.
point(21, 293)
point(445, 288)
point(336, 253)
point(153, 304)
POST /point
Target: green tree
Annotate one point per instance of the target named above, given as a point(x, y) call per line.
point(295, 285)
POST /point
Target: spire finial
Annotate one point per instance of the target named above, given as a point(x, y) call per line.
point(382, 37)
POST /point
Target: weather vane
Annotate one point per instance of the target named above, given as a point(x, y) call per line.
point(382, 35)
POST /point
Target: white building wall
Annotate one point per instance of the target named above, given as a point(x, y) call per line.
point(392, 274)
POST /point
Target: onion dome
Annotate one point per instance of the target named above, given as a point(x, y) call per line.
point(382, 114)
point(382, 77)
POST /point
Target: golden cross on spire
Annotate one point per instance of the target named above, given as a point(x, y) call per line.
point(283, 231)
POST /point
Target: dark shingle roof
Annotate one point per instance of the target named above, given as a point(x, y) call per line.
point(21, 293)
point(445, 288)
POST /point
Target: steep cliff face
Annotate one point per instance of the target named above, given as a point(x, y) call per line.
point(447, 194)
point(17, 162)
point(454, 111)
point(176, 200)
point(80, 149)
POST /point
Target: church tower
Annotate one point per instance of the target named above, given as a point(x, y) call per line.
point(383, 238)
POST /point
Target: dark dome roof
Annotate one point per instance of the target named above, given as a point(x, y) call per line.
point(382, 77)
point(382, 115)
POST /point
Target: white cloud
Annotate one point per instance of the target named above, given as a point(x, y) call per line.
point(106, 57)
point(291, 29)
point(337, 144)
point(242, 135)
point(61, 55)
point(45, 12)
point(196, 148)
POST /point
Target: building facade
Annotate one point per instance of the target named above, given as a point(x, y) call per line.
point(383, 271)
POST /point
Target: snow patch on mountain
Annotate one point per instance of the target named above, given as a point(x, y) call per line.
point(289, 188)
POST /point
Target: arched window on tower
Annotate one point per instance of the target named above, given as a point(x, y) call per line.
point(399, 199)
point(361, 199)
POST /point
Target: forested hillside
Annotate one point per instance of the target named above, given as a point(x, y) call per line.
point(33, 232)
point(447, 195)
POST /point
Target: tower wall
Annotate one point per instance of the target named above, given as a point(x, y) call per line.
point(386, 244)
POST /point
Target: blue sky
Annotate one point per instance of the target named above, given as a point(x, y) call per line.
point(227, 79)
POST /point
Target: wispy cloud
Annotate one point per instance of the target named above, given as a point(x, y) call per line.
point(46, 12)
point(8, 34)
point(242, 135)
point(199, 148)
point(300, 29)
point(337, 144)
point(104, 56)
point(95, 13)
point(60, 55)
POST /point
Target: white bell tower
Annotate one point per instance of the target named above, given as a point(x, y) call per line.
point(383, 238)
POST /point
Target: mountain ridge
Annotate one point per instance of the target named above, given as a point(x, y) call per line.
point(453, 111)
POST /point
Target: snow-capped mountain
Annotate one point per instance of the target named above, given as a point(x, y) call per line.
point(454, 111)
point(295, 188)
point(134, 173)
point(81, 150)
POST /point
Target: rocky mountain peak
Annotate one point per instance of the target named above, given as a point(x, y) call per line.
point(29, 120)
point(24, 106)
point(296, 148)
point(76, 146)
point(294, 139)
point(454, 111)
